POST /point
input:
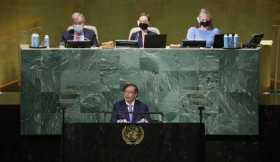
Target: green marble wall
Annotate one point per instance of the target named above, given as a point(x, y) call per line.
point(172, 81)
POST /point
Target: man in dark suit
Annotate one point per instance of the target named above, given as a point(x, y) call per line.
point(139, 33)
point(130, 110)
point(78, 32)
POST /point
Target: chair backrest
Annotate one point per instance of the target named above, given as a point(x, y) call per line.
point(136, 29)
point(89, 27)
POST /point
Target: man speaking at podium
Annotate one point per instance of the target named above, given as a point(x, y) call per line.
point(130, 110)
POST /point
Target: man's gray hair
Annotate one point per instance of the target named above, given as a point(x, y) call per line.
point(204, 11)
point(78, 14)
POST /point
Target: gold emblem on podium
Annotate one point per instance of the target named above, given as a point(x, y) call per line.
point(132, 134)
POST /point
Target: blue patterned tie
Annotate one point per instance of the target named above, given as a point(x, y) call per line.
point(130, 111)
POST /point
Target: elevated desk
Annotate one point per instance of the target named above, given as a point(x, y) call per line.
point(172, 81)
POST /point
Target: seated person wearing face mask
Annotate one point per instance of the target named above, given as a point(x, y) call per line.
point(78, 32)
point(142, 30)
point(205, 30)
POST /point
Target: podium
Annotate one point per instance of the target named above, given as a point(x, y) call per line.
point(159, 142)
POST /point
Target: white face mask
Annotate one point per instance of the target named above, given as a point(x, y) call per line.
point(78, 28)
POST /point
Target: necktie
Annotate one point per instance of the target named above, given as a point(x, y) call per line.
point(78, 36)
point(130, 111)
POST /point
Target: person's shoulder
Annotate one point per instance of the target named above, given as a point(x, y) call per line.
point(192, 28)
point(134, 30)
point(216, 30)
point(121, 102)
point(89, 31)
point(152, 32)
point(69, 31)
point(142, 104)
point(134, 33)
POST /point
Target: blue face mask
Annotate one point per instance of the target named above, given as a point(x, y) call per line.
point(78, 28)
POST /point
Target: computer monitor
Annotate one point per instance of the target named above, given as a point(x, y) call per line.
point(218, 41)
point(193, 43)
point(126, 44)
point(155, 41)
point(78, 44)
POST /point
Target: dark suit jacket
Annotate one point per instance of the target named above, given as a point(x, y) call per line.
point(138, 36)
point(88, 34)
point(120, 111)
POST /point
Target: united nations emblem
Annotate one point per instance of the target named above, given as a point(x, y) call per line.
point(132, 134)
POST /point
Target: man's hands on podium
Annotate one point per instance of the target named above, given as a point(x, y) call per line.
point(143, 120)
point(122, 121)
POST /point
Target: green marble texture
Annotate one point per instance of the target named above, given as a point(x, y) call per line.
point(172, 81)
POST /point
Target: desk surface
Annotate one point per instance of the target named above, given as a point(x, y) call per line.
point(26, 47)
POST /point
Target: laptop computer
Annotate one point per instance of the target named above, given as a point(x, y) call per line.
point(126, 44)
point(78, 44)
point(193, 43)
point(218, 41)
point(155, 41)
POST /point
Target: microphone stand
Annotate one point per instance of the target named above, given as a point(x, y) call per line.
point(201, 108)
